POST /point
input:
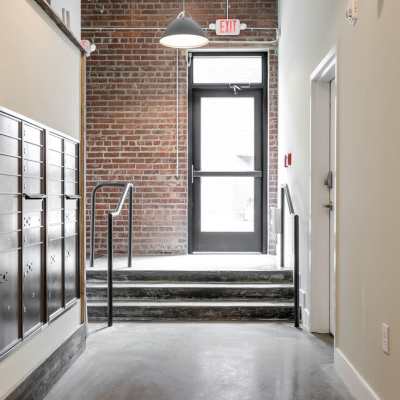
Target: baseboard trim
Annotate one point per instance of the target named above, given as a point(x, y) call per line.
point(306, 319)
point(356, 384)
point(37, 385)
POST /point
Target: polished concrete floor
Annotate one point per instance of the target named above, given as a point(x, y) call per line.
point(202, 361)
point(195, 262)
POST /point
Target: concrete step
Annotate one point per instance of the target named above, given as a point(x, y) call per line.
point(188, 291)
point(192, 311)
point(274, 276)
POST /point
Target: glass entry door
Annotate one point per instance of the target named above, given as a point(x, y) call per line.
point(227, 171)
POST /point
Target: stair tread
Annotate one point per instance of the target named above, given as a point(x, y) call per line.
point(178, 304)
point(190, 285)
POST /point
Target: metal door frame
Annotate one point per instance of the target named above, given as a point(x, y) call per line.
point(192, 89)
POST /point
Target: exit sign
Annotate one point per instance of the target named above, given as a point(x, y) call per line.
point(227, 27)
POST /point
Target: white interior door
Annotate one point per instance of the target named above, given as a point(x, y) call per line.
point(332, 213)
point(319, 311)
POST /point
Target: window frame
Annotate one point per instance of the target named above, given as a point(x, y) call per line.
point(227, 55)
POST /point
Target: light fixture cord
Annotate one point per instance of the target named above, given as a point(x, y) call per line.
point(183, 5)
point(177, 115)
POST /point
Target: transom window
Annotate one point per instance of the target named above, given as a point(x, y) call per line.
point(227, 69)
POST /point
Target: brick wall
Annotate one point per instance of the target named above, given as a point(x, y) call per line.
point(131, 111)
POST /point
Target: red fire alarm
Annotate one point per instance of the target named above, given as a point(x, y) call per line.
point(288, 160)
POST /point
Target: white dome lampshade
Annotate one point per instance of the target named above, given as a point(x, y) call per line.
point(184, 33)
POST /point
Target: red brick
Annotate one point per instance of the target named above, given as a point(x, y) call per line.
point(131, 102)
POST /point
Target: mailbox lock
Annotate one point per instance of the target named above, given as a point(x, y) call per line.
point(29, 268)
point(27, 221)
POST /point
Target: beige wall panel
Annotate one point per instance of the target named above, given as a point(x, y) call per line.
point(40, 67)
point(39, 78)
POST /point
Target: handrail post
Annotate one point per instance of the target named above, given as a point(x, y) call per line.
point(282, 228)
point(93, 227)
point(128, 191)
point(110, 269)
point(296, 272)
point(130, 216)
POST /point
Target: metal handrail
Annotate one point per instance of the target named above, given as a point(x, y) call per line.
point(128, 190)
point(286, 198)
point(93, 219)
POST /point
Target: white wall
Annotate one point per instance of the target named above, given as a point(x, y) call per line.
point(304, 43)
point(39, 78)
point(39, 68)
point(368, 193)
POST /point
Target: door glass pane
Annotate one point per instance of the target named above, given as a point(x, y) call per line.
point(227, 133)
point(228, 69)
point(227, 204)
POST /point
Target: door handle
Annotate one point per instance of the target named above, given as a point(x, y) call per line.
point(252, 174)
point(72, 196)
point(38, 196)
point(328, 182)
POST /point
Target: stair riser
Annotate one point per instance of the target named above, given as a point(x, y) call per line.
point(275, 277)
point(282, 294)
point(192, 314)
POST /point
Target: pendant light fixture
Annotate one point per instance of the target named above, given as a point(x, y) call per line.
point(184, 33)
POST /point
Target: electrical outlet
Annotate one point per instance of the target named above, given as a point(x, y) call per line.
point(386, 338)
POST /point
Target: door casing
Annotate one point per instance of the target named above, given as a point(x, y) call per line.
point(316, 286)
point(332, 214)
